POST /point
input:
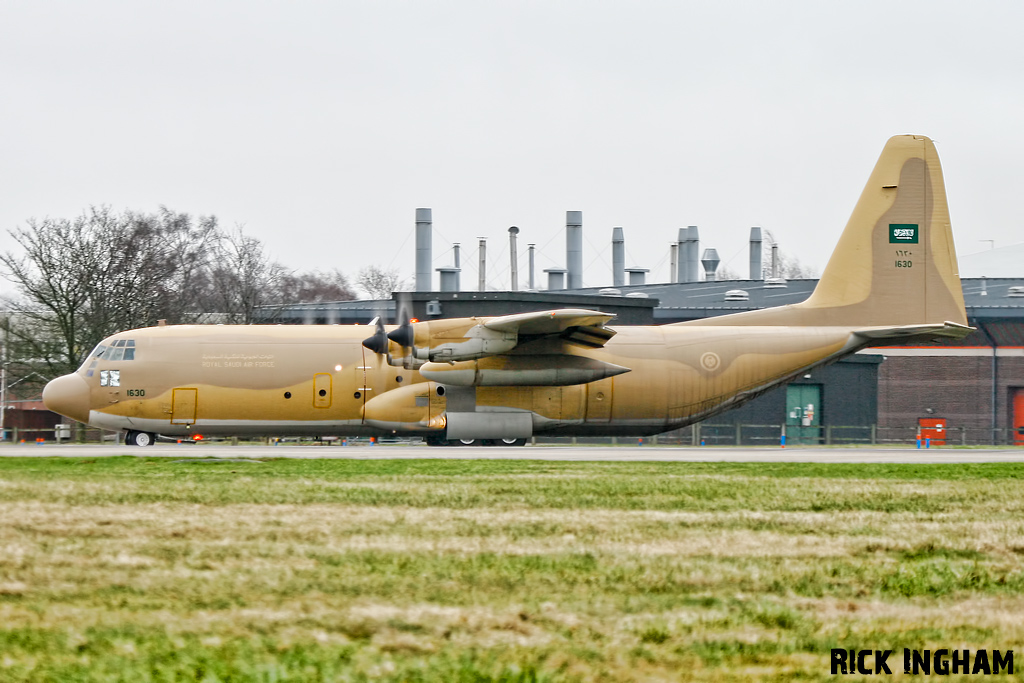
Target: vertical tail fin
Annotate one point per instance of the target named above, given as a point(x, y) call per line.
point(895, 262)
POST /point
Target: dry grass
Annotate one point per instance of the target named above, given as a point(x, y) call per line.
point(142, 570)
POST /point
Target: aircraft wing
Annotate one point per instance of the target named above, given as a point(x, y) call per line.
point(548, 322)
point(475, 351)
point(480, 357)
point(575, 325)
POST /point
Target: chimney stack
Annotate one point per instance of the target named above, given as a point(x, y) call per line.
point(755, 254)
point(692, 255)
point(618, 258)
point(682, 257)
point(424, 222)
point(574, 248)
point(513, 257)
point(482, 285)
point(530, 252)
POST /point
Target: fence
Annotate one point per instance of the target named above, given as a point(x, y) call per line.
point(60, 434)
point(734, 434)
point(699, 434)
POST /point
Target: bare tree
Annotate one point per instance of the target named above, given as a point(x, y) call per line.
point(244, 278)
point(54, 278)
point(789, 266)
point(315, 287)
point(379, 283)
point(82, 279)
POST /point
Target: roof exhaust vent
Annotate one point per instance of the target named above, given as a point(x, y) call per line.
point(609, 291)
point(556, 278)
point(637, 276)
point(775, 283)
point(710, 262)
point(1015, 292)
point(737, 295)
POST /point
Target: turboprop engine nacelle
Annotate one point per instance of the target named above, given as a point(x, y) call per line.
point(510, 371)
point(478, 342)
point(414, 407)
point(450, 341)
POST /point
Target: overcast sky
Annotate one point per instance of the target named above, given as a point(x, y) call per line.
point(321, 126)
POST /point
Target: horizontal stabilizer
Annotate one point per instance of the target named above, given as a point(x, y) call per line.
point(947, 329)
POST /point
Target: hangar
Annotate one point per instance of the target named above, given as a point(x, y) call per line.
point(965, 392)
point(958, 392)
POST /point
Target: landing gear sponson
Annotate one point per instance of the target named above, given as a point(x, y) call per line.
point(134, 438)
point(438, 441)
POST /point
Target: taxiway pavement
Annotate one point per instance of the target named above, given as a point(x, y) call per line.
point(554, 453)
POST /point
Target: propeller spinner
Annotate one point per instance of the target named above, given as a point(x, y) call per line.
point(378, 343)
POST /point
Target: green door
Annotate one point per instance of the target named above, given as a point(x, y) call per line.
point(803, 414)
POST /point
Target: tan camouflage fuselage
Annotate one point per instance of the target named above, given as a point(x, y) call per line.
point(268, 379)
point(892, 277)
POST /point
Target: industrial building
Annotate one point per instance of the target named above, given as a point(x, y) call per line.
point(969, 391)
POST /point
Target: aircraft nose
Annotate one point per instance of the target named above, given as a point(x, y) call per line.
point(68, 395)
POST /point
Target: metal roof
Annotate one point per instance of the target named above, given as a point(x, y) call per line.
point(986, 299)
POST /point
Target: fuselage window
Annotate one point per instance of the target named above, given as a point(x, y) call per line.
point(110, 378)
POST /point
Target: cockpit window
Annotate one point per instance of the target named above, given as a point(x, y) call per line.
point(112, 350)
point(121, 349)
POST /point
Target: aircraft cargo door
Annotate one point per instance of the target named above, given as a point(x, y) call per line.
point(183, 406)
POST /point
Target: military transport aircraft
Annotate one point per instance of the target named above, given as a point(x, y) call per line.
point(500, 380)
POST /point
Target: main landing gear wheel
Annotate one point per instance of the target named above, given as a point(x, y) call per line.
point(133, 438)
point(438, 441)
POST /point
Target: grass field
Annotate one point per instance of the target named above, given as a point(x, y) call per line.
point(136, 569)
